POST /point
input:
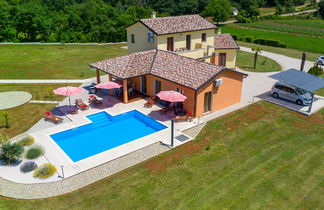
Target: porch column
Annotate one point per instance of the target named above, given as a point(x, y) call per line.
point(110, 79)
point(98, 76)
point(125, 91)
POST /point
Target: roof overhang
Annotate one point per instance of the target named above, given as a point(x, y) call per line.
point(299, 79)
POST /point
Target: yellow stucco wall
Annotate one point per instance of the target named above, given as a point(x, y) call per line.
point(180, 39)
point(141, 43)
point(230, 57)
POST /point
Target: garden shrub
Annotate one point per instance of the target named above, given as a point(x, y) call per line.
point(34, 152)
point(248, 39)
point(268, 42)
point(44, 171)
point(316, 70)
point(10, 153)
point(28, 166)
point(234, 37)
point(26, 140)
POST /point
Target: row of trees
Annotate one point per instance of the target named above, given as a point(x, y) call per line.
point(103, 20)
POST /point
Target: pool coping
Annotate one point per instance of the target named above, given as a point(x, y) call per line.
point(56, 155)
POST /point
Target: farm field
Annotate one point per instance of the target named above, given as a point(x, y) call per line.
point(53, 61)
point(292, 40)
point(308, 28)
point(260, 157)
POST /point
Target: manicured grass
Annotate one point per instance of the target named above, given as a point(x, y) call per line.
point(284, 51)
point(245, 62)
point(260, 157)
point(23, 117)
point(42, 92)
point(302, 43)
point(53, 62)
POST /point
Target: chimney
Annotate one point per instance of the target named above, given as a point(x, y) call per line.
point(153, 14)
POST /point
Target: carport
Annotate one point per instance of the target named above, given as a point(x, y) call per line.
point(301, 80)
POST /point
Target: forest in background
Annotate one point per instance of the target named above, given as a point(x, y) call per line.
point(98, 20)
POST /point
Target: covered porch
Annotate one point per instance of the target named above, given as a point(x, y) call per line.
point(129, 92)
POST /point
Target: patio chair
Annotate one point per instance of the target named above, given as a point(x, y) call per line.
point(165, 110)
point(50, 117)
point(186, 117)
point(79, 103)
point(93, 100)
point(150, 102)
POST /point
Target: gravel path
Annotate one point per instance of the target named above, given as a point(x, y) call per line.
point(284, 61)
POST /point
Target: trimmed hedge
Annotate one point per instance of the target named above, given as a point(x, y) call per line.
point(34, 152)
point(44, 171)
point(26, 140)
point(268, 42)
point(28, 166)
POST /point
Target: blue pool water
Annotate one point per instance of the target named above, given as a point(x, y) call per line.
point(104, 133)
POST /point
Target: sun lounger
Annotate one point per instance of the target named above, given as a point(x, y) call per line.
point(150, 102)
point(93, 100)
point(50, 117)
point(79, 103)
point(187, 117)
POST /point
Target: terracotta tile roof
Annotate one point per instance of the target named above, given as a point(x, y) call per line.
point(225, 41)
point(167, 65)
point(127, 66)
point(177, 24)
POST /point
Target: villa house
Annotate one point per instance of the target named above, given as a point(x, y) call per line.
point(189, 35)
point(159, 59)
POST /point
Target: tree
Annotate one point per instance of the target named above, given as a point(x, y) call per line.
point(220, 10)
point(256, 51)
point(5, 116)
point(321, 9)
point(10, 153)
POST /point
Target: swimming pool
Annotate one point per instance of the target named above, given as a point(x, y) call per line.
point(104, 133)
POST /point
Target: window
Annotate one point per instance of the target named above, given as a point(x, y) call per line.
point(132, 38)
point(222, 59)
point(207, 102)
point(170, 43)
point(150, 36)
point(180, 90)
point(188, 42)
point(157, 86)
point(203, 37)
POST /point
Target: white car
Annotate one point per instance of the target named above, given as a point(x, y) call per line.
point(320, 60)
point(291, 93)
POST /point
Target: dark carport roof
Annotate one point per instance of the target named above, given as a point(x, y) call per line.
point(300, 79)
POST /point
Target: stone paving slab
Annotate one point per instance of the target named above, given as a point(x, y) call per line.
point(12, 99)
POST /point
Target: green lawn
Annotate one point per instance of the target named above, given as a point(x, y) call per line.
point(38, 91)
point(284, 51)
point(260, 157)
point(267, 11)
point(245, 62)
point(22, 118)
point(301, 43)
point(53, 62)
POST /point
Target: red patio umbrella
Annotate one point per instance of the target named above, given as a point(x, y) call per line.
point(171, 96)
point(108, 85)
point(68, 91)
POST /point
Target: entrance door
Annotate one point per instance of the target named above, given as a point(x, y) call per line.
point(170, 43)
point(143, 84)
point(222, 59)
point(157, 86)
point(207, 102)
point(188, 42)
